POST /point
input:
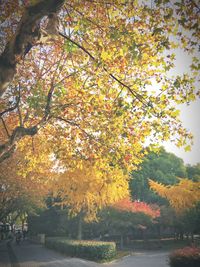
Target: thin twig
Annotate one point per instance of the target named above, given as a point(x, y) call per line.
point(5, 127)
point(11, 108)
point(135, 94)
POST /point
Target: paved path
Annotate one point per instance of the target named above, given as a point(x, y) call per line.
point(143, 259)
point(33, 255)
point(4, 255)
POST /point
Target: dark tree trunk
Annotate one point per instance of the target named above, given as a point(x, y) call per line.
point(121, 241)
point(79, 228)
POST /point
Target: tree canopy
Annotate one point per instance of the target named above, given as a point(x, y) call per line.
point(77, 84)
point(160, 166)
point(193, 172)
point(182, 196)
point(106, 58)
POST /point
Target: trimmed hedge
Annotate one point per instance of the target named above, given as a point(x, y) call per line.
point(186, 257)
point(91, 250)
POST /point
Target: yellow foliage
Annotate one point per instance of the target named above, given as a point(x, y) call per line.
point(88, 94)
point(90, 186)
point(181, 196)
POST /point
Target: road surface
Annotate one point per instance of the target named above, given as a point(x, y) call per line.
point(33, 255)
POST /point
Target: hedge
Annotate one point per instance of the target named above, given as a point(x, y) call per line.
point(186, 257)
point(92, 250)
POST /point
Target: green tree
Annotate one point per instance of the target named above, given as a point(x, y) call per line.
point(162, 167)
point(121, 222)
point(193, 172)
point(191, 220)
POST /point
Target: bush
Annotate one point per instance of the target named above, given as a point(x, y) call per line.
point(91, 250)
point(186, 257)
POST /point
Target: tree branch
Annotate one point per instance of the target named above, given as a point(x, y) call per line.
point(8, 147)
point(77, 44)
point(11, 108)
point(76, 125)
point(5, 127)
point(135, 94)
point(27, 34)
point(196, 5)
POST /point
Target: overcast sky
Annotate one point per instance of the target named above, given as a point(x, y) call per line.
point(190, 116)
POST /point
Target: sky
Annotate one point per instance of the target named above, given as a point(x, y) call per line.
point(190, 117)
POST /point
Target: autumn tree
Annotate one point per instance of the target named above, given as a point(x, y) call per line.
point(126, 204)
point(24, 179)
point(81, 76)
point(184, 198)
point(124, 216)
point(110, 50)
point(181, 196)
point(88, 187)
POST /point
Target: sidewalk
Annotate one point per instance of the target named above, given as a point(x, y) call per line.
point(4, 255)
point(33, 255)
point(28, 254)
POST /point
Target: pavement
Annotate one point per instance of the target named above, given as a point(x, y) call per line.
point(143, 259)
point(34, 255)
point(28, 254)
point(4, 255)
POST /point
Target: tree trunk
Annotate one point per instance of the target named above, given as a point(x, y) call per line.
point(159, 231)
point(27, 34)
point(121, 241)
point(7, 148)
point(79, 228)
point(181, 235)
point(192, 237)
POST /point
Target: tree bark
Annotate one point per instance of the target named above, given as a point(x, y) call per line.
point(27, 34)
point(7, 148)
point(79, 232)
point(121, 241)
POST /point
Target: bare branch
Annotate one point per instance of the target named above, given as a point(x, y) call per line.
point(74, 124)
point(77, 44)
point(8, 147)
point(11, 108)
point(5, 127)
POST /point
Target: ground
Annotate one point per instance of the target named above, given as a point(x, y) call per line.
point(33, 255)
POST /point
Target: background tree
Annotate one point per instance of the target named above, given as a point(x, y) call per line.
point(126, 204)
point(88, 187)
point(181, 196)
point(191, 220)
point(193, 172)
point(125, 216)
point(162, 167)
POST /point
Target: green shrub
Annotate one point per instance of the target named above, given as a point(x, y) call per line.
point(91, 250)
point(186, 257)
